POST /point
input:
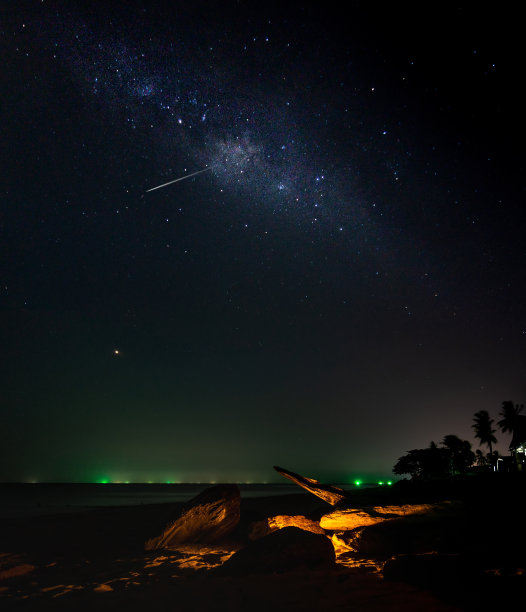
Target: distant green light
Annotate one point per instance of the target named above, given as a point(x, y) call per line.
point(380, 483)
point(103, 481)
point(357, 483)
point(389, 482)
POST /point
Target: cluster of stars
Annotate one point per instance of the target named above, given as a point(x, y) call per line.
point(261, 136)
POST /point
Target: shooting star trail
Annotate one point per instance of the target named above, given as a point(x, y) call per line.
point(181, 178)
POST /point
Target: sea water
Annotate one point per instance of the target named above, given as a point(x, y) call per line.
point(24, 499)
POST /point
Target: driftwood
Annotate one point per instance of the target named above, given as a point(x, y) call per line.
point(329, 493)
point(346, 518)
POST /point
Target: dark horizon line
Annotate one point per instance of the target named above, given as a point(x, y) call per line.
point(276, 482)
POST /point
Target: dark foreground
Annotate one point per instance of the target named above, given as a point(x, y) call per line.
point(471, 557)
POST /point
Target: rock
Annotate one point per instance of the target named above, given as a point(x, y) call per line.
point(281, 551)
point(260, 529)
point(103, 588)
point(405, 509)
point(16, 571)
point(442, 529)
point(345, 520)
point(340, 544)
point(351, 518)
point(208, 517)
point(329, 493)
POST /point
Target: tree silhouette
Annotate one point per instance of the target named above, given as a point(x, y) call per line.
point(482, 460)
point(419, 463)
point(410, 464)
point(484, 430)
point(455, 456)
point(515, 423)
point(509, 414)
point(461, 457)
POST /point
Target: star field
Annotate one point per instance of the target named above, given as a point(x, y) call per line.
point(349, 265)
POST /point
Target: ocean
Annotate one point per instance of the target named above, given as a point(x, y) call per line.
point(24, 499)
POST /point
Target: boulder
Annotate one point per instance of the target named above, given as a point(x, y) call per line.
point(442, 529)
point(281, 551)
point(208, 517)
point(351, 518)
point(329, 493)
point(260, 529)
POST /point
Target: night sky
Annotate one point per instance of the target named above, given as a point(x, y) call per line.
point(345, 280)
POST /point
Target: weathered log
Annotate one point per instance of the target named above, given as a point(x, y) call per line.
point(329, 493)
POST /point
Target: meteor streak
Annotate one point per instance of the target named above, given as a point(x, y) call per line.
point(181, 178)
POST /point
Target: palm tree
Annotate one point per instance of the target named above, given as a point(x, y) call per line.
point(484, 430)
point(481, 458)
point(509, 414)
point(515, 423)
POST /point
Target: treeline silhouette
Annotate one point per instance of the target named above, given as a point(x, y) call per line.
point(455, 456)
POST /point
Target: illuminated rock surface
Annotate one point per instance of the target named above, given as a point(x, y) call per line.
point(260, 529)
point(340, 544)
point(350, 518)
point(283, 550)
point(208, 517)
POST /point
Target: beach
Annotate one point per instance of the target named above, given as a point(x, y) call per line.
point(432, 561)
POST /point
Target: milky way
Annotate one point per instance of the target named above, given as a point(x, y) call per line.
point(266, 135)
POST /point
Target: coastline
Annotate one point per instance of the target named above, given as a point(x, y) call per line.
point(97, 558)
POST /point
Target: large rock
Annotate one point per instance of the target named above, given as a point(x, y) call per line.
point(281, 551)
point(351, 518)
point(208, 517)
point(442, 529)
point(262, 528)
point(329, 493)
